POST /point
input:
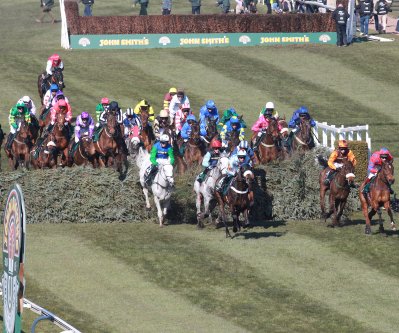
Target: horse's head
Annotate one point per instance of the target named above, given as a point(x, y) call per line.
point(305, 130)
point(144, 115)
point(272, 129)
point(195, 132)
point(23, 129)
point(87, 146)
point(348, 171)
point(112, 123)
point(60, 121)
point(58, 78)
point(167, 170)
point(211, 126)
point(247, 173)
point(223, 164)
point(387, 172)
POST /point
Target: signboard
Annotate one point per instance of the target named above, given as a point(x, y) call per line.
point(14, 224)
point(146, 41)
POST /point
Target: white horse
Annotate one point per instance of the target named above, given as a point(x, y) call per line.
point(162, 185)
point(206, 190)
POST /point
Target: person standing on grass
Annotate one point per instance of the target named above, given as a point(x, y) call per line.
point(365, 9)
point(225, 5)
point(46, 5)
point(195, 7)
point(143, 6)
point(340, 16)
point(382, 12)
point(88, 7)
point(166, 7)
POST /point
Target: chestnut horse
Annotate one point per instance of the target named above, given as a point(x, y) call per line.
point(84, 154)
point(47, 156)
point(147, 136)
point(20, 148)
point(267, 150)
point(379, 197)
point(339, 189)
point(43, 86)
point(61, 135)
point(237, 199)
point(195, 148)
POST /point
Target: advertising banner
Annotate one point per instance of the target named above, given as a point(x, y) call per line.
point(14, 224)
point(198, 40)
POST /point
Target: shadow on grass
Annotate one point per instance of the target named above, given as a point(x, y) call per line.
point(258, 235)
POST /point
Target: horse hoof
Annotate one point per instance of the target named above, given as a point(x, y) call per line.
point(148, 209)
point(200, 226)
point(247, 225)
point(161, 225)
point(330, 225)
point(367, 231)
point(219, 225)
point(235, 229)
point(381, 230)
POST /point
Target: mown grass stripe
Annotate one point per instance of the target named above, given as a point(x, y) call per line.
point(212, 276)
point(109, 290)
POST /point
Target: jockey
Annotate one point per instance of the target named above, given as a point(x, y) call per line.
point(233, 125)
point(29, 104)
point(302, 112)
point(245, 146)
point(58, 96)
point(210, 159)
point(186, 130)
point(143, 105)
point(261, 126)
point(50, 95)
point(161, 153)
point(177, 101)
point(19, 111)
point(335, 160)
point(235, 163)
point(168, 97)
point(61, 107)
point(209, 110)
point(100, 108)
point(269, 106)
point(130, 119)
point(113, 106)
point(181, 117)
point(227, 114)
point(84, 127)
point(160, 123)
point(375, 164)
point(53, 62)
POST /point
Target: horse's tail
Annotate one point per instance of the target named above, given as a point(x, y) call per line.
point(322, 161)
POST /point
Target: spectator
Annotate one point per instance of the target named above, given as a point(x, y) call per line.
point(143, 6)
point(375, 16)
point(46, 5)
point(166, 7)
point(88, 7)
point(252, 7)
point(276, 7)
point(239, 7)
point(285, 5)
point(365, 9)
point(340, 16)
point(195, 7)
point(225, 4)
point(269, 6)
point(382, 12)
point(322, 9)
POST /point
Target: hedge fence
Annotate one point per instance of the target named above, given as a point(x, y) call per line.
point(216, 23)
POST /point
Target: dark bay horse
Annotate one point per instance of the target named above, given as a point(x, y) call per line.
point(379, 197)
point(47, 156)
point(237, 199)
point(339, 189)
point(84, 154)
point(233, 140)
point(302, 140)
point(44, 85)
point(195, 148)
point(211, 131)
point(267, 150)
point(147, 136)
point(20, 148)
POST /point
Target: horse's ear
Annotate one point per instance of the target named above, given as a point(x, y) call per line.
point(240, 117)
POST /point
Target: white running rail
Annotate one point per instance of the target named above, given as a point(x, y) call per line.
point(64, 27)
point(328, 134)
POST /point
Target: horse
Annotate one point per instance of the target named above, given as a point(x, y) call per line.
point(162, 185)
point(195, 149)
point(43, 85)
point(267, 150)
point(107, 146)
point(302, 140)
point(47, 156)
point(205, 190)
point(233, 140)
point(133, 142)
point(238, 199)
point(84, 154)
point(2, 136)
point(61, 135)
point(147, 134)
point(211, 131)
point(20, 148)
point(339, 189)
point(379, 197)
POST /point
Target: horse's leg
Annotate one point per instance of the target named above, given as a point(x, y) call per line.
point(147, 200)
point(222, 213)
point(159, 209)
point(200, 224)
point(369, 216)
point(387, 207)
point(380, 221)
point(323, 191)
point(246, 218)
point(341, 208)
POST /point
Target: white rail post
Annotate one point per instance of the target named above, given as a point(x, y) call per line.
point(341, 133)
point(333, 131)
point(368, 139)
point(350, 136)
point(64, 27)
point(325, 135)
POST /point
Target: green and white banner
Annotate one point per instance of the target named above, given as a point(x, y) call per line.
point(198, 40)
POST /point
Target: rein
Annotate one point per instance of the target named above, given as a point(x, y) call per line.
point(300, 141)
point(238, 191)
point(266, 145)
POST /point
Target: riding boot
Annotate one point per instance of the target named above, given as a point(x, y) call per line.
point(329, 177)
point(226, 184)
point(257, 142)
point(182, 149)
point(220, 184)
point(150, 174)
point(202, 175)
point(122, 145)
point(10, 139)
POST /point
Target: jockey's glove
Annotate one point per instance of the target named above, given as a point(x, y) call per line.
point(296, 129)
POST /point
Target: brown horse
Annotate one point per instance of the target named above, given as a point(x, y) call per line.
point(233, 140)
point(339, 189)
point(211, 131)
point(20, 148)
point(267, 150)
point(147, 136)
point(61, 135)
point(47, 156)
point(379, 197)
point(195, 148)
point(237, 199)
point(302, 140)
point(84, 154)
point(43, 86)
point(2, 136)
